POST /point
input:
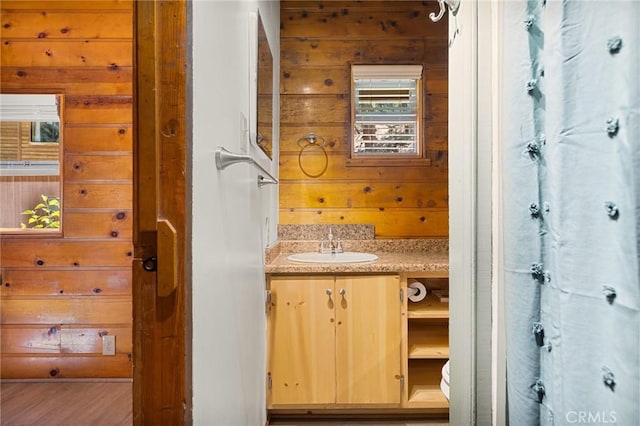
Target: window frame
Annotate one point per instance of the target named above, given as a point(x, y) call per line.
point(384, 71)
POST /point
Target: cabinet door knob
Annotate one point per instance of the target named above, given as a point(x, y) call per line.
point(329, 292)
point(342, 291)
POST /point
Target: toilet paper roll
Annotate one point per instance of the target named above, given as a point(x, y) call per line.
point(417, 291)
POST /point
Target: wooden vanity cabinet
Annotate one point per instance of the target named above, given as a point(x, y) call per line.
point(334, 341)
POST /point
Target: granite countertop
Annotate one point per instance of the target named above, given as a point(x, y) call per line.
point(394, 256)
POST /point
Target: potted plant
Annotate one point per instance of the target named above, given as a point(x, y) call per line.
point(45, 214)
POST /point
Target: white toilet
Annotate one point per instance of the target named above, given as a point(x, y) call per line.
point(444, 383)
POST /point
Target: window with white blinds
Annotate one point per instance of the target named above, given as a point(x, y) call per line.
point(386, 110)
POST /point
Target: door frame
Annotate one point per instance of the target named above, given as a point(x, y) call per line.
point(162, 390)
point(470, 223)
point(471, 216)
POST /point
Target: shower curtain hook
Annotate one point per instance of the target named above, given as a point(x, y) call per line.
point(453, 5)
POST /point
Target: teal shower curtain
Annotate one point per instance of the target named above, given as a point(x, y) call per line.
point(571, 211)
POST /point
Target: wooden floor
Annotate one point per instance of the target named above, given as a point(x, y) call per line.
point(360, 423)
point(65, 404)
point(109, 404)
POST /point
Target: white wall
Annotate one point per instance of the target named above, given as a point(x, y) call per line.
point(463, 146)
point(229, 217)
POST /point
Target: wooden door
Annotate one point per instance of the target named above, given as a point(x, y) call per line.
point(301, 341)
point(161, 389)
point(368, 340)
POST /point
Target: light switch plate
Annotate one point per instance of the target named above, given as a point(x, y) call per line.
point(108, 345)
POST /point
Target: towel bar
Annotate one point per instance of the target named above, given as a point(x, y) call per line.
point(225, 158)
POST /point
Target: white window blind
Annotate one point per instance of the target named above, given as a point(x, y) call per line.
point(27, 107)
point(386, 109)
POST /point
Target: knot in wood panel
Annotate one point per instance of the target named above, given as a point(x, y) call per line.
point(170, 129)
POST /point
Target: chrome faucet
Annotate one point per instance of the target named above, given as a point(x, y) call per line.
point(335, 246)
point(331, 246)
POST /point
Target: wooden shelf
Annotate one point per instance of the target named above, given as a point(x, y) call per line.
point(427, 396)
point(428, 346)
point(428, 308)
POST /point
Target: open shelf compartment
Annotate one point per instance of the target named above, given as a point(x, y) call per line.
point(434, 305)
point(424, 384)
point(428, 340)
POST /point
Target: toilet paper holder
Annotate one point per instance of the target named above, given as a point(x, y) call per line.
point(416, 291)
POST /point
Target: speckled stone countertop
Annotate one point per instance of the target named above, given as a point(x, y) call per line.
point(394, 256)
point(316, 232)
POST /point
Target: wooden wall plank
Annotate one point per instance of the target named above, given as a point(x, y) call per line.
point(66, 5)
point(306, 80)
point(22, 253)
point(59, 339)
point(78, 167)
point(97, 88)
point(16, 340)
point(103, 224)
point(368, 5)
point(353, 22)
point(76, 81)
point(97, 196)
point(65, 366)
point(389, 222)
point(320, 40)
point(364, 194)
point(302, 51)
point(56, 283)
point(87, 310)
point(315, 109)
point(81, 53)
point(98, 109)
point(59, 25)
point(93, 138)
point(118, 114)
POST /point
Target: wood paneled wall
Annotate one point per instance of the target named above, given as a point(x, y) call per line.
point(319, 42)
point(60, 295)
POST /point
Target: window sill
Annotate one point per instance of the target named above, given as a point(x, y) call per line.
point(387, 162)
point(30, 233)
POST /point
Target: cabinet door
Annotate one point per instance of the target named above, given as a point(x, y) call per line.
point(368, 340)
point(302, 341)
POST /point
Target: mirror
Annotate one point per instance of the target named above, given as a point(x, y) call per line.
point(264, 101)
point(30, 150)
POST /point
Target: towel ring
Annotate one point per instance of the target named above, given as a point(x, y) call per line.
point(312, 141)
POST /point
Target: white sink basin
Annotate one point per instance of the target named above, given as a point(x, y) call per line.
point(346, 257)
